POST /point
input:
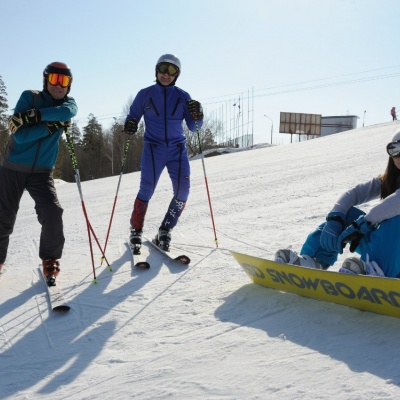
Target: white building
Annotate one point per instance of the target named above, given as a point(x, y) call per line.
point(336, 124)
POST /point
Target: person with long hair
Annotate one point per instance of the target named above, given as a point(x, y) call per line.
point(374, 235)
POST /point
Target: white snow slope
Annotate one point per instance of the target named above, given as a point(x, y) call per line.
point(206, 331)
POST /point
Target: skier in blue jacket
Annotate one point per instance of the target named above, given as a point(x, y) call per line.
point(164, 106)
point(374, 235)
point(39, 120)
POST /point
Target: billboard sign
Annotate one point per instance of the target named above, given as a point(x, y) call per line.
point(300, 124)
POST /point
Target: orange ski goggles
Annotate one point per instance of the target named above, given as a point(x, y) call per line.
point(59, 79)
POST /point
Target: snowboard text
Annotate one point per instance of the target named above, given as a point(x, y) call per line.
point(374, 295)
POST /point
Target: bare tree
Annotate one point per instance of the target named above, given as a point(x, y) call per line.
point(4, 133)
point(208, 133)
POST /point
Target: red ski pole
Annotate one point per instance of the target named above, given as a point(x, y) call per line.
point(116, 194)
point(205, 179)
point(89, 226)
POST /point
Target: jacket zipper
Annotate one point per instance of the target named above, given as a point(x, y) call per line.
point(165, 117)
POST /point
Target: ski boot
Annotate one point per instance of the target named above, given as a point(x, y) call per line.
point(51, 269)
point(135, 240)
point(163, 238)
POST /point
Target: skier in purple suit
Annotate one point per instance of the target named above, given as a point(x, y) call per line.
point(164, 106)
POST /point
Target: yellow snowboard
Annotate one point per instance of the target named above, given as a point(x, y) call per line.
point(368, 293)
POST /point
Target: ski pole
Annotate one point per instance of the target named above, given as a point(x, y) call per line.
point(116, 194)
point(205, 179)
point(74, 162)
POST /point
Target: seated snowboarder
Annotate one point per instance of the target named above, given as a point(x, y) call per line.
point(374, 235)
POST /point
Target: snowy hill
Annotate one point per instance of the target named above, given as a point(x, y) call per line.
point(203, 332)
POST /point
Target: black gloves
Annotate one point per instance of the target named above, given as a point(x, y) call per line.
point(130, 126)
point(195, 109)
point(32, 117)
point(29, 117)
point(54, 126)
point(354, 233)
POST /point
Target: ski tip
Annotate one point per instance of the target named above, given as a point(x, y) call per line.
point(62, 308)
point(183, 259)
point(142, 265)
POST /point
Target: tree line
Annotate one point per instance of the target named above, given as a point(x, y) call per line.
point(99, 152)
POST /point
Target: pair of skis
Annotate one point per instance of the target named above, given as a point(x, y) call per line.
point(57, 300)
point(141, 262)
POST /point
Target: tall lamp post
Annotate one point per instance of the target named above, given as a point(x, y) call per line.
point(272, 125)
point(238, 121)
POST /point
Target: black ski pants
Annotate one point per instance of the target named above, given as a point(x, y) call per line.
point(41, 188)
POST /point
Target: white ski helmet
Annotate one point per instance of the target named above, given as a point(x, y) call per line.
point(170, 58)
point(396, 136)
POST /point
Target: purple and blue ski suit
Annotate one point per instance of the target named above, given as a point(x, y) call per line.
point(164, 108)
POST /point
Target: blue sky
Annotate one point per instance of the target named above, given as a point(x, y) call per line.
point(329, 57)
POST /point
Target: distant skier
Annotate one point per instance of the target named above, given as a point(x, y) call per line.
point(374, 235)
point(393, 113)
point(164, 107)
point(36, 126)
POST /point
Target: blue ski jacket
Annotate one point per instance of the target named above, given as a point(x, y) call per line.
point(164, 108)
point(380, 245)
point(31, 148)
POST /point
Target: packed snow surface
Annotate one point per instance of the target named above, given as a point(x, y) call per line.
point(203, 331)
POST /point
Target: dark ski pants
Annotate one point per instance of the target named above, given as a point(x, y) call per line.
point(41, 188)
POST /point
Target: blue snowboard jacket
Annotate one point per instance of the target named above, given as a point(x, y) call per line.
point(31, 148)
point(381, 245)
point(164, 108)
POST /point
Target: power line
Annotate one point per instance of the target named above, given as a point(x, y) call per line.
point(340, 83)
point(293, 90)
point(308, 81)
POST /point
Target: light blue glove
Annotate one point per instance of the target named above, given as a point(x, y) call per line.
point(332, 229)
point(354, 233)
